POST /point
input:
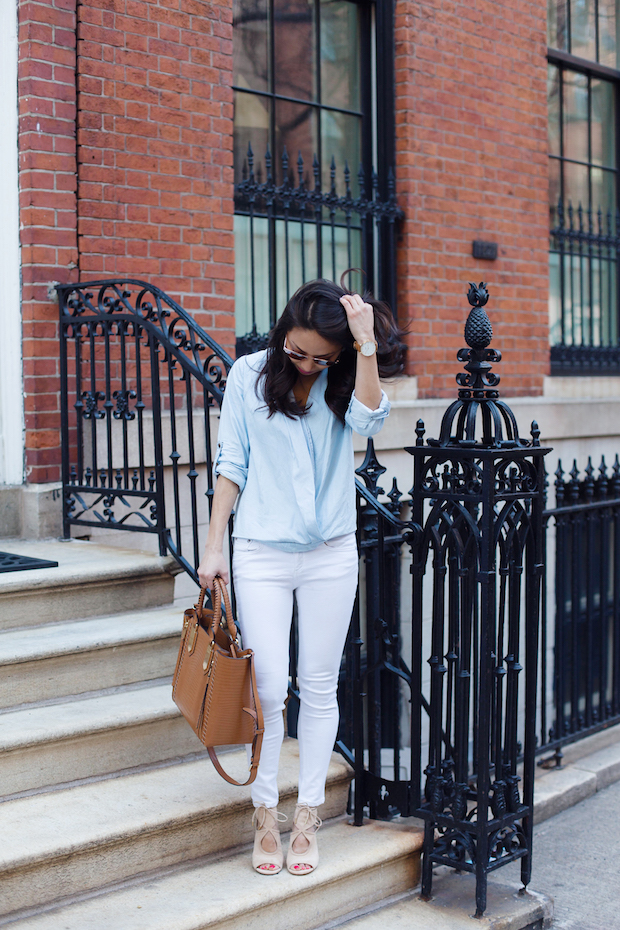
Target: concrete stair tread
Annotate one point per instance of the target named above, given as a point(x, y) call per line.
point(78, 561)
point(69, 719)
point(108, 811)
point(90, 580)
point(453, 904)
point(358, 867)
point(57, 639)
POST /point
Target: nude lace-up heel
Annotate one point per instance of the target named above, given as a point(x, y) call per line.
point(303, 857)
point(267, 821)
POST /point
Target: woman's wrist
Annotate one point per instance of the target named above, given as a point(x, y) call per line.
point(215, 547)
point(365, 337)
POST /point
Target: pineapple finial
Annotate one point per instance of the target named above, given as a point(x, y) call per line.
point(478, 329)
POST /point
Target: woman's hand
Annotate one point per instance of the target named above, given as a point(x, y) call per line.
point(213, 563)
point(361, 320)
point(360, 317)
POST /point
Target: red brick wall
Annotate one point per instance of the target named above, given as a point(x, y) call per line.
point(472, 164)
point(155, 150)
point(47, 166)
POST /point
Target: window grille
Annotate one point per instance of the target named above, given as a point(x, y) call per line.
point(583, 187)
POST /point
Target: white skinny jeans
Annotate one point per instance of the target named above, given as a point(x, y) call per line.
point(324, 581)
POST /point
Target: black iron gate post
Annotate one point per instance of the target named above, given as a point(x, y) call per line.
point(477, 515)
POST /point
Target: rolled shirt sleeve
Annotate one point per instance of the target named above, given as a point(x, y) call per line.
point(364, 421)
point(233, 445)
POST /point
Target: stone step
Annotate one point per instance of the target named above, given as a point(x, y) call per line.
point(358, 866)
point(97, 734)
point(59, 659)
point(77, 839)
point(90, 581)
point(452, 907)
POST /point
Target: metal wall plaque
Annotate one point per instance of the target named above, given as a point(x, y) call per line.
point(486, 250)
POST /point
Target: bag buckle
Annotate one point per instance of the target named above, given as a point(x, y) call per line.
point(208, 657)
point(191, 639)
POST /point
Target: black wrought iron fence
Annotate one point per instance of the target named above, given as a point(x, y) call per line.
point(290, 232)
point(581, 685)
point(584, 311)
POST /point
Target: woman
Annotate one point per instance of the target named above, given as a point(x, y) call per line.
point(285, 449)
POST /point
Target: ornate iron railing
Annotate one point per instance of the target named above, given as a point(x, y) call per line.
point(585, 330)
point(296, 232)
point(139, 384)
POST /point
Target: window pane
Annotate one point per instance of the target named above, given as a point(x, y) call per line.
point(583, 34)
point(557, 34)
point(295, 49)
point(575, 116)
point(576, 185)
point(555, 189)
point(555, 303)
point(251, 282)
point(576, 297)
point(296, 263)
point(340, 140)
point(553, 93)
point(611, 302)
point(603, 190)
point(607, 35)
point(603, 131)
point(251, 44)
point(251, 126)
point(340, 252)
point(296, 130)
point(340, 55)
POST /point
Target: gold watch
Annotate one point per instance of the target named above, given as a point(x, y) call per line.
point(367, 348)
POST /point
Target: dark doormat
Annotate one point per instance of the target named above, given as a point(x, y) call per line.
point(9, 562)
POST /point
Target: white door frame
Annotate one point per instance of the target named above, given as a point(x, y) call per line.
point(11, 378)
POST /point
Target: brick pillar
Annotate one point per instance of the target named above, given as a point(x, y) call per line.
point(471, 115)
point(155, 150)
point(47, 180)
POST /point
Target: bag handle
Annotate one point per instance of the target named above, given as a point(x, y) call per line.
point(220, 593)
point(256, 748)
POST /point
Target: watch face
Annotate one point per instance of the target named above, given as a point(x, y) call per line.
point(369, 348)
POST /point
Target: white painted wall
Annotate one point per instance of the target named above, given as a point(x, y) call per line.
point(11, 389)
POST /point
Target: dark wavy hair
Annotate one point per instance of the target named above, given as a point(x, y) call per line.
point(316, 306)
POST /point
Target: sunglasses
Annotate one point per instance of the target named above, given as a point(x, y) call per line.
point(300, 357)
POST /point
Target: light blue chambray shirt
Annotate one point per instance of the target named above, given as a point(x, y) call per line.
point(296, 476)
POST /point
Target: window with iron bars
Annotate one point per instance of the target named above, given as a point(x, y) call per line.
point(583, 78)
point(307, 133)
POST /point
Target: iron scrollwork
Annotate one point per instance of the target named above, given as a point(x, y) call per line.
point(137, 373)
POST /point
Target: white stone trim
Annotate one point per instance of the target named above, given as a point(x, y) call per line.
point(582, 386)
point(11, 384)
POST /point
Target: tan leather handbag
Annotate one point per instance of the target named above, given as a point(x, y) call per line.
point(214, 684)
